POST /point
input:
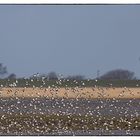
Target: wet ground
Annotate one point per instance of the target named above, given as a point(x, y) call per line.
point(96, 107)
point(80, 133)
point(103, 107)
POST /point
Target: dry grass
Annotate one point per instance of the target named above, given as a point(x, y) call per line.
point(87, 92)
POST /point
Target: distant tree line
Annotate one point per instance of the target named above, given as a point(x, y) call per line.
point(4, 73)
point(117, 74)
point(55, 76)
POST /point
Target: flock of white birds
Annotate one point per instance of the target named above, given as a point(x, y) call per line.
point(39, 103)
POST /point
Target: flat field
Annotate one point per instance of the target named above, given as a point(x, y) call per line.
point(72, 92)
point(69, 111)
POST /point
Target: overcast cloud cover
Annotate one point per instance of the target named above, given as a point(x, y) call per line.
point(69, 39)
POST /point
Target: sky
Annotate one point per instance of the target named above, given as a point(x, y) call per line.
point(69, 39)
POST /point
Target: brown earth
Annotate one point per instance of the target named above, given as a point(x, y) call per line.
point(87, 92)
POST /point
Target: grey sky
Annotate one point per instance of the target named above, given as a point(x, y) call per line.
point(69, 39)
